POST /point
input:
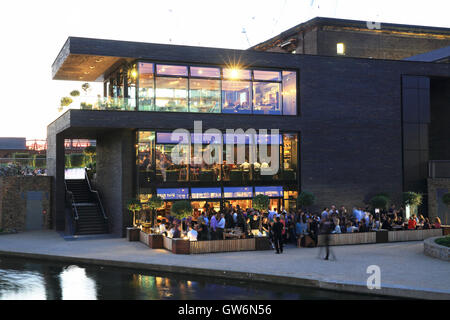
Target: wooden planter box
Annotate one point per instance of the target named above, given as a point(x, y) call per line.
point(262, 243)
point(348, 238)
point(445, 230)
point(413, 235)
point(382, 236)
point(154, 241)
point(222, 245)
point(133, 234)
point(180, 246)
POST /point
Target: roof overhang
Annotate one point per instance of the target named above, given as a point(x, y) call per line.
point(82, 64)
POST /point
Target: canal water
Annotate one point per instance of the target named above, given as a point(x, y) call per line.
point(42, 280)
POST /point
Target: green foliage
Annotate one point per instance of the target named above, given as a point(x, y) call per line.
point(66, 101)
point(134, 205)
point(85, 86)
point(379, 202)
point(412, 198)
point(75, 93)
point(155, 202)
point(445, 241)
point(181, 209)
point(446, 199)
point(23, 159)
point(86, 106)
point(76, 160)
point(384, 194)
point(261, 202)
point(39, 160)
point(305, 199)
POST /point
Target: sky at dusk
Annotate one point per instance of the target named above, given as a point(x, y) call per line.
point(33, 32)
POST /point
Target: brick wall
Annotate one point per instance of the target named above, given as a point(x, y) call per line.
point(13, 200)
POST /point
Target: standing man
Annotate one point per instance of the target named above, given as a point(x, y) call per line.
point(326, 230)
point(213, 226)
point(277, 231)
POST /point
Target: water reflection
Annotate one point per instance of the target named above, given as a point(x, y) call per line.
point(22, 279)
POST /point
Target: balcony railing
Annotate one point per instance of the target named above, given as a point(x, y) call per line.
point(439, 169)
point(104, 103)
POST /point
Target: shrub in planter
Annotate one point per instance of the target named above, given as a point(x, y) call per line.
point(261, 202)
point(412, 199)
point(305, 199)
point(379, 202)
point(154, 203)
point(134, 205)
point(181, 209)
point(446, 199)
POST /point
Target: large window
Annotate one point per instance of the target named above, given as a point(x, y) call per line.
point(204, 95)
point(145, 159)
point(236, 97)
point(146, 87)
point(289, 92)
point(171, 94)
point(180, 88)
point(266, 97)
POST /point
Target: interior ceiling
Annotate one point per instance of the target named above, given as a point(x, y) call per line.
point(79, 67)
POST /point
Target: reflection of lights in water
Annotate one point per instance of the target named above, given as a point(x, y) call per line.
point(76, 285)
point(21, 285)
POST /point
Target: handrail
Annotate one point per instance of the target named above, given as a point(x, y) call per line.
point(96, 193)
point(74, 207)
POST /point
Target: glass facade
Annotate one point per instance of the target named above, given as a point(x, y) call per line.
point(147, 86)
point(165, 163)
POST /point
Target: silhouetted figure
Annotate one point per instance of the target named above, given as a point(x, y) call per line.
point(277, 231)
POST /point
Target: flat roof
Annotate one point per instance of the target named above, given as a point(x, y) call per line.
point(7, 143)
point(356, 24)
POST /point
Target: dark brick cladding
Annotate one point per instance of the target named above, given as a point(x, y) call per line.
point(350, 121)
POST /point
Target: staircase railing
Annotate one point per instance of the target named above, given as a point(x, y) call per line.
point(102, 210)
point(74, 210)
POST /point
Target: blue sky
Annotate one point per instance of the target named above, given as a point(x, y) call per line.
point(33, 32)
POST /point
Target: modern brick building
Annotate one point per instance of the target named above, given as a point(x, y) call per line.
point(359, 39)
point(349, 127)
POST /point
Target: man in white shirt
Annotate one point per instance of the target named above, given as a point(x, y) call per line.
point(192, 234)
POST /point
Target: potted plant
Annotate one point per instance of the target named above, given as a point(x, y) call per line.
point(155, 202)
point(261, 202)
point(181, 209)
point(305, 199)
point(134, 205)
point(411, 200)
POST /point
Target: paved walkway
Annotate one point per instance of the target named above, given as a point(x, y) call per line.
point(405, 270)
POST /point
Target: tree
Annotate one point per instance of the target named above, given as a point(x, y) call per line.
point(65, 102)
point(134, 205)
point(181, 209)
point(446, 199)
point(379, 202)
point(261, 202)
point(85, 86)
point(75, 93)
point(412, 199)
point(305, 199)
point(154, 203)
point(90, 151)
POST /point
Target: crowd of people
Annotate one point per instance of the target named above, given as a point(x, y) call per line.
point(285, 227)
point(13, 169)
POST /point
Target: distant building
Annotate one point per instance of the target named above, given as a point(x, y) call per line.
point(359, 39)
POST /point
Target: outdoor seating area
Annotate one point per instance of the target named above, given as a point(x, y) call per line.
point(232, 242)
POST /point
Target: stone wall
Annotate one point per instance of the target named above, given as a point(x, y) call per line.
point(432, 249)
point(436, 188)
point(13, 200)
